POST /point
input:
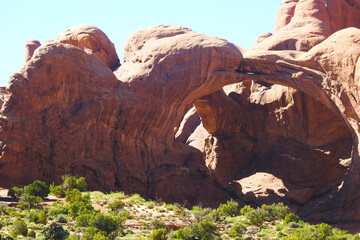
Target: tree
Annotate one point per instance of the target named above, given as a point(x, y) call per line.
point(55, 232)
point(37, 189)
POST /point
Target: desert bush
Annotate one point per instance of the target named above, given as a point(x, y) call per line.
point(15, 192)
point(201, 230)
point(204, 214)
point(29, 202)
point(37, 216)
point(31, 234)
point(105, 223)
point(37, 189)
point(3, 207)
point(18, 228)
point(116, 206)
point(62, 218)
point(71, 182)
point(157, 224)
point(291, 218)
point(237, 230)
point(264, 213)
point(55, 232)
point(91, 232)
point(80, 208)
point(57, 190)
point(135, 199)
point(274, 211)
point(230, 208)
point(58, 208)
point(159, 234)
point(76, 196)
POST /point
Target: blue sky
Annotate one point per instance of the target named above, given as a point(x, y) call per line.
point(238, 21)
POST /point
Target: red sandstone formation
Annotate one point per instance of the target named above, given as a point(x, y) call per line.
point(293, 115)
point(30, 47)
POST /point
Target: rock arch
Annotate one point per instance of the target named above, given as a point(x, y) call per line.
point(66, 111)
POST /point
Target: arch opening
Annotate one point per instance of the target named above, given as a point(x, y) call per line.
point(277, 142)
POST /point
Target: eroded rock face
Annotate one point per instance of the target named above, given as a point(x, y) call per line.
point(66, 111)
point(93, 41)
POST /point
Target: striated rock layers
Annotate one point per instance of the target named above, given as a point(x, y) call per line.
point(291, 113)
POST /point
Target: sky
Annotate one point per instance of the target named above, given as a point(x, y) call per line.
point(238, 21)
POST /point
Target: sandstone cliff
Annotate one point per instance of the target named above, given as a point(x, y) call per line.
point(292, 111)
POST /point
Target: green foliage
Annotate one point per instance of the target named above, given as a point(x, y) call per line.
point(135, 199)
point(230, 208)
point(29, 202)
point(157, 224)
point(264, 213)
point(91, 232)
point(71, 182)
point(116, 206)
point(201, 230)
point(62, 218)
point(32, 234)
point(15, 192)
point(158, 234)
point(76, 196)
point(80, 208)
point(204, 214)
point(105, 223)
point(37, 189)
point(18, 228)
point(57, 190)
point(291, 218)
point(37, 216)
point(3, 207)
point(58, 208)
point(55, 232)
point(237, 230)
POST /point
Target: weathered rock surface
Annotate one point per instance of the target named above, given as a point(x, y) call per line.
point(66, 111)
point(30, 47)
point(93, 41)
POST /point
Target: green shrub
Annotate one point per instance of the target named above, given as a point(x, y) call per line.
point(37, 216)
point(80, 208)
point(37, 189)
point(55, 232)
point(102, 222)
point(57, 190)
point(135, 199)
point(274, 211)
point(201, 230)
point(29, 201)
point(264, 213)
point(158, 234)
point(3, 207)
point(157, 224)
point(291, 218)
point(246, 209)
point(204, 214)
point(15, 192)
point(90, 233)
point(18, 228)
point(58, 208)
point(76, 196)
point(116, 206)
point(230, 208)
point(71, 182)
point(237, 230)
point(61, 218)
point(32, 234)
